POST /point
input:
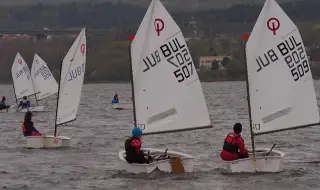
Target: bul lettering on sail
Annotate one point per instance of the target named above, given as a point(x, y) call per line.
point(267, 58)
point(152, 60)
point(19, 73)
point(73, 74)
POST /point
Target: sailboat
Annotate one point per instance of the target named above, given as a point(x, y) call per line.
point(22, 84)
point(281, 94)
point(43, 80)
point(69, 95)
point(166, 90)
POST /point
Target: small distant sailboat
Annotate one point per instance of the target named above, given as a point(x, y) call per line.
point(23, 85)
point(167, 94)
point(281, 94)
point(69, 95)
point(43, 80)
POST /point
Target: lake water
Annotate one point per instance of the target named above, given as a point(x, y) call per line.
point(99, 133)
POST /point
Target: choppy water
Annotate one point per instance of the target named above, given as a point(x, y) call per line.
point(99, 133)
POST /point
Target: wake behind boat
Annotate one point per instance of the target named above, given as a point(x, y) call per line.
point(69, 95)
point(281, 94)
point(122, 106)
point(161, 63)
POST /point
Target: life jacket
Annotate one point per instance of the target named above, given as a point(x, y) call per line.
point(115, 100)
point(229, 145)
point(130, 150)
point(23, 128)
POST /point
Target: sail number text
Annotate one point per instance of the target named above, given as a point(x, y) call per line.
point(22, 71)
point(293, 54)
point(75, 73)
point(178, 56)
point(256, 126)
point(44, 71)
point(175, 53)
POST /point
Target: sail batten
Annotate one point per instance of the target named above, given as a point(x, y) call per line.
point(282, 94)
point(287, 129)
point(179, 130)
point(167, 90)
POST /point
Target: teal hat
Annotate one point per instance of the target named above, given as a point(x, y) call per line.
point(136, 132)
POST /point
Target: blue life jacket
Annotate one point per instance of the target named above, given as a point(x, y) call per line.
point(3, 103)
point(115, 100)
point(25, 104)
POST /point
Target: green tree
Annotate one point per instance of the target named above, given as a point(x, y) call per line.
point(236, 69)
point(225, 61)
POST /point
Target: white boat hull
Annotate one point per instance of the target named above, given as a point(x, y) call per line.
point(123, 106)
point(48, 142)
point(271, 163)
point(16, 109)
point(162, 165)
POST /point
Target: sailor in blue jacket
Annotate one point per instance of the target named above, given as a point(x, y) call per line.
point(25, 103)
point(115, 99)
point(3, 104)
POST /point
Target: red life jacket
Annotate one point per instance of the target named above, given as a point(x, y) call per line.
point(229, 141)
point(23, 127)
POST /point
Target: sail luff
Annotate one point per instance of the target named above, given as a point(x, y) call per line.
point(248, 100)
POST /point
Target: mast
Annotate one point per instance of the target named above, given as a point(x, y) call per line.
point(132, 89)
point(14, 90)
point(55, 122)
point(34, 90)
point(248, 99)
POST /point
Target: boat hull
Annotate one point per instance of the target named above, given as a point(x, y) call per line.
point(163, 165)
point(48, 141)
point(271, 163)
point(32, 109)
point(123, 106)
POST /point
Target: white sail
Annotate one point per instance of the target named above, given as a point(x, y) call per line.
point(281, 86)
point(43, 79)
point(168, 93)
point(71, 82)
point(21, 77)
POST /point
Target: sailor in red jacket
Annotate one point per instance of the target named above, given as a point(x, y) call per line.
point(234, 147)
point(134, 154)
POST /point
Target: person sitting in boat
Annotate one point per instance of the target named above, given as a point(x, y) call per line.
point(134, 154)
point(234, 147)
point(115, 99)
point(3, 104)
point(25, 103)
point(28, 128)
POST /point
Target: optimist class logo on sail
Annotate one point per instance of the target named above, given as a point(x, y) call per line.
point(290, 51)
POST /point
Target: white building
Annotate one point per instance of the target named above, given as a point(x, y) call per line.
point(206, 61)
